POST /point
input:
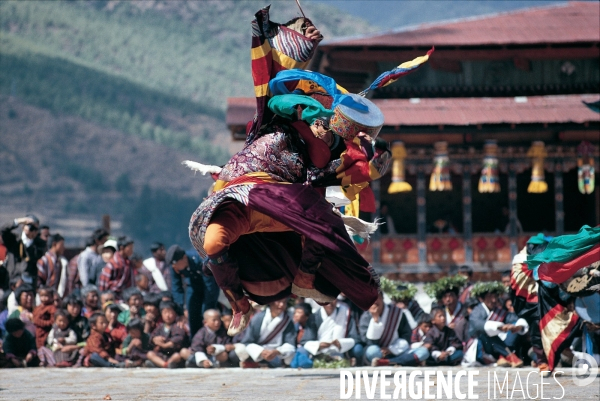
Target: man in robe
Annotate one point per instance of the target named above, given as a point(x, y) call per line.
point(386, 333)
point(271, 337)
point(331, 331)
point(496, 329)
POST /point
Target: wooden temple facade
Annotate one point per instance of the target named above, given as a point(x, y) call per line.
point(517, 83)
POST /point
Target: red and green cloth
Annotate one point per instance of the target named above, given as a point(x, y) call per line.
point(275, 47)
point(566, 254)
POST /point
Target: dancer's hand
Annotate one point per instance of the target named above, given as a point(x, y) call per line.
point(312, 33)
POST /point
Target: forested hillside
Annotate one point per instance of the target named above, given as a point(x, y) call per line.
point(153, 76)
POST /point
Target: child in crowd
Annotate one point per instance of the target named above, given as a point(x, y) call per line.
point(302, 312)
point(152, 317)
point(107, 297)
point(99, 350)
point(25, 296)
point(90, 298)
point(211, 346)
point(136, 345)
point(62, 340)
point(77, 322)
point(226, 318)
point(115, 329)
point(441, 341)
point(418, 334)
point(135, 301)
point(19, 345)
point(142, 283)
point(167, 340)
point(462, 325)
point(43, 315)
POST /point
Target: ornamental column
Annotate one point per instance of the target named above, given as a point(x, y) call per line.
point(467, 215)
point(421, 217)
point(559, 199)
point(512, 209)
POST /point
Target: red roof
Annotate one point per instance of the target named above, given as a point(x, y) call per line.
point(565, 23)
point(490, 110)
point(461, 111)
point(240, 110)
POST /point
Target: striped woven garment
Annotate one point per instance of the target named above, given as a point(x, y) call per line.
point(275, 47)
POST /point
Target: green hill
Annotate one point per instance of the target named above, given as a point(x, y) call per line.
point(101, 101)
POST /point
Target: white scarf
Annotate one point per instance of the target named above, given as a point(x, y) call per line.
point(335, 325)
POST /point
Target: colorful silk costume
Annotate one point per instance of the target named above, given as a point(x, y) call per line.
point(265, 222)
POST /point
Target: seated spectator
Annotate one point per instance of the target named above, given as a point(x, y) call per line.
point(441, 341)
point(445, 291)
point(62, 341)
point(152, 312)
point(90, 297)
point(403, 296)
point(19, 345)
point(211, 346)
point(142, 284)
point(135, 302)
point(331, 332)
point(302, 311)
point(43, 315)
point(136, 345)
point(226, 318)
point(3, 314)
point(115, 329)
point(270, 337)
point(11, 303)
point(462, 325)
point(25, 296)
point(385, 332)
point(98, 349)
point(491, 324)
point(418, 334)
point(106, 298)
point(467, 273)
point(77, 322)
point(167, 340)
point(57, 300)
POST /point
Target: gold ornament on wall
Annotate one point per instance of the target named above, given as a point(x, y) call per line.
point(538, 184)
point(398, 182)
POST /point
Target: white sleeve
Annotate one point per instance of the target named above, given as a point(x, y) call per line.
point(159, 280)
point(436, 354)
point(375, 330)
point(399, 346)
point(240, 351)
point(218, 348)
point(312, 347)
point(491, 328)
point(71, 338)
point(524, 326)
point(346, 344)
point(286, 350)
point(450, 350)
point(50, 339)
point(201, 357)
point(409, 317)
point(254, 350)
point(62, 284)
point(83, 271)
